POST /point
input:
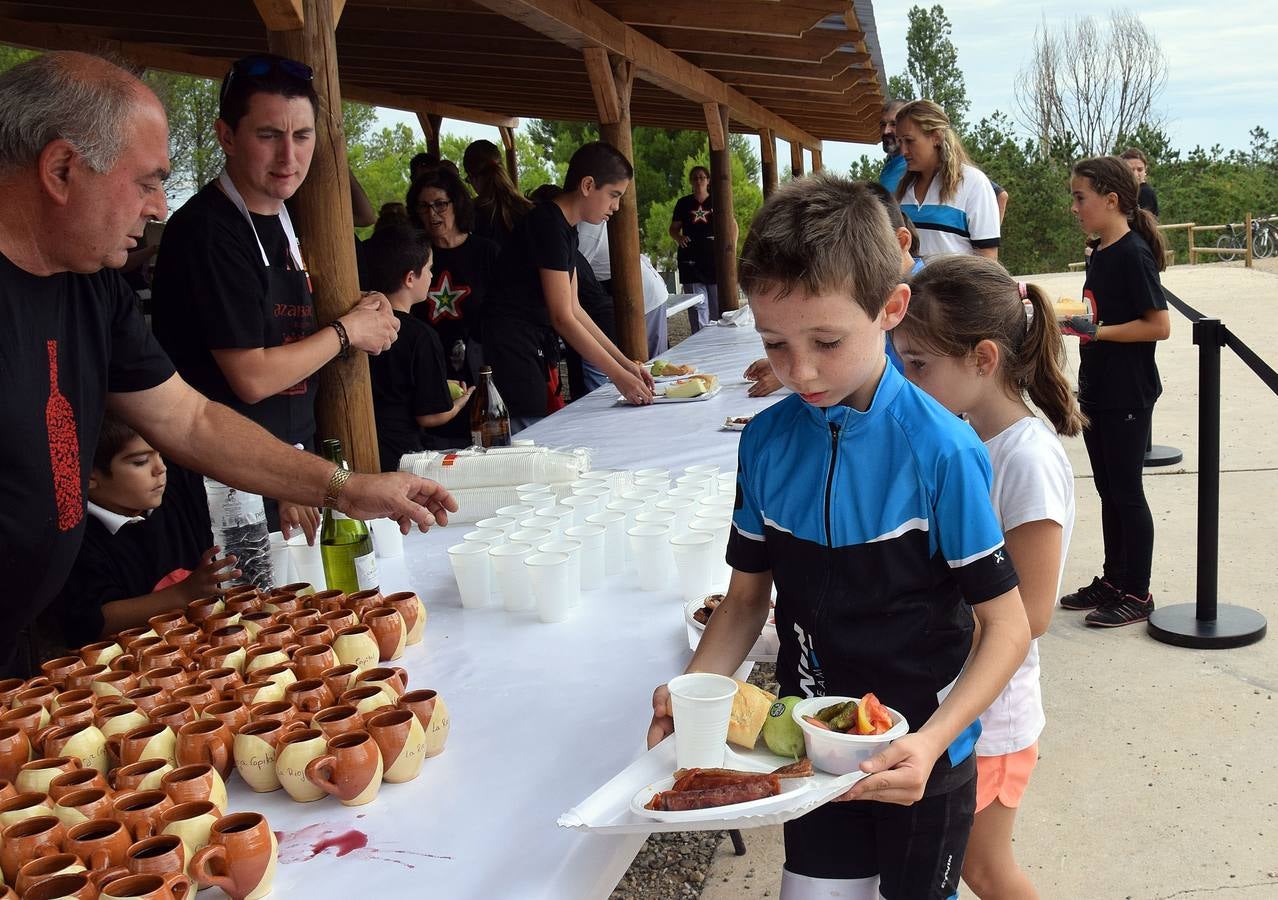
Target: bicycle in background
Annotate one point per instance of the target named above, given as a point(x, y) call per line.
point(1264, 239)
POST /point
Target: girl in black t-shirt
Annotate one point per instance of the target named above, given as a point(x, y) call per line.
point(692, 227)
point(1118, 380)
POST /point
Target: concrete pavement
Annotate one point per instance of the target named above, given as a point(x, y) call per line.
point(1158, 775)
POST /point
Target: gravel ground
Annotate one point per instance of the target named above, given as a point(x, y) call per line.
point(673, 865)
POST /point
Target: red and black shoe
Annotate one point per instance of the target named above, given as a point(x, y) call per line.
point(1090, 596)
point(1126, 610)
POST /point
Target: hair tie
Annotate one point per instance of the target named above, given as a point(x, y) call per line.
point(1026, 302)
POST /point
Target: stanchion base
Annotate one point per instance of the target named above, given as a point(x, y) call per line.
point(1158, 455)
point(1234, 626)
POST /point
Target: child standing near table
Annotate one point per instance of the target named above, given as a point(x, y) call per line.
point(1118, 381)
point(978, 342)
point(879, 578)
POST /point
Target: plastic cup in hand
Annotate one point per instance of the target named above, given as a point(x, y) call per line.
point(511, 574)
point(515, 511)
point(572, 550)
point(306, 561)
point(642, 494)
point(701, 704)
point(473, 573)
point(485, 536)
point(592, 539)
point(388, 542)
point(582, 506)
point(650, 553)
point(656, 517)
point(614, 524)
point(552, 585)
point(531, 536)
point(279, 560)
point(504, 524)
point(682, 507)
point(694, 556)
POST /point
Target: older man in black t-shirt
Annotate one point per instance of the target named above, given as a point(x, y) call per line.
point(83, 158)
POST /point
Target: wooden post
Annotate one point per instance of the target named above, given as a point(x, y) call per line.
point(816, 159)
point(326, 231)
point(725, 248)
point(611, 80)
point(796, 159)
point(432, 139)
point(512, 162)
point(768, 161)
point(1193, 255)
point(1247, 225)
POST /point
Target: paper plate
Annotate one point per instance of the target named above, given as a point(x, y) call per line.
point(662, 379)
point(790, 789)
point(730, 425)
point(659, 396)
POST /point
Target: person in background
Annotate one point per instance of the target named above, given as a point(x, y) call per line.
point(146, 547)
point(411, 391)
point(389, 215)
point(948, 199)
point(1139, 164)
point(979, 342)
point(538, 301)
point(232, 299)
point(421, 163)
point(894, 162)
point(498, 204)
point(593, 245)
point(1001, 198)
point(465, 270)
point(692, 227)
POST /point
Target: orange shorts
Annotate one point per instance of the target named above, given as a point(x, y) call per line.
point(1004, 777)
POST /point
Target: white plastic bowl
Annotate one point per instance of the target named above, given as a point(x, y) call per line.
point(841, 754)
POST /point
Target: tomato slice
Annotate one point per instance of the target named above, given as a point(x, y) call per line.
point(877, 715)
point(816, 723)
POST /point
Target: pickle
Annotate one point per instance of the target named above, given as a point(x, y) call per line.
point(846, 718)
point(827, 715)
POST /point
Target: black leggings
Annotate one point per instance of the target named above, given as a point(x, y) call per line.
point(1116, 441)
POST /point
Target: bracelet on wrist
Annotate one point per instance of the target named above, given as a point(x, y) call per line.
point(343, 339)
point(336, 482)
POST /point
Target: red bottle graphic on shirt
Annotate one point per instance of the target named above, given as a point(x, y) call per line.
point(64, 449)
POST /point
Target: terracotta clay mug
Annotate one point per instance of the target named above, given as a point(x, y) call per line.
point(254, 692)
point(7, 790)
point(236, 635)
point(38, 870)
point(277, 709)
point(303, 618)
point(77, 780)
point(293, 752)
point(81, 741)
point(224, 680)
point(391, 679)
point(40, 695)
point(303, 589)
point(199, 610)
point(240, 857)
point(161, 855)
point(199, 694)
point(114, 682)
point(160, 656)
point(191, 822)
point(150, 741)
point(27, 805)
point(340, 678)
point(34, 777)
point(279, 635)
point(101, 653)
point(388, 629)
point(140, 811)
point(262, 656)
point(174, 886)
point(28, 839)
point(56, 670)
point(350, 769)
point(196, 782)
point(402, 741)
point(430, 710)
point(28, 717)
point(185, 637)
point(326, 601)
point(234, 714)
point(311, 661)
point(82, 713)
point(165, 622)
point(255, 621)
point(81, 678)
point(224, 658)
point(205, 741)
point(147, 775)
point(283, 674)
point(9, 688)
point(309, 695)
point(409, 605)
point(254, 752)
point(340, 719)
point(68, 886)
point(15, 751)
point(339, 619)
point(83, 805)
point(100, 844)
point(168, 678)
point(118, 718)
point(284, 604)
point(147, 698)
point(366, 698)
point(174, 714)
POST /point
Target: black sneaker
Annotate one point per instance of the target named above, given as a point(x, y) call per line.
point(1092, 595)
point(1126, 610)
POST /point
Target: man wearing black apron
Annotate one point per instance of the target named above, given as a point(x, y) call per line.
point(232, 295)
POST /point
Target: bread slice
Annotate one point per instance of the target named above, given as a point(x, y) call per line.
point(749, 711)
point(692, 386)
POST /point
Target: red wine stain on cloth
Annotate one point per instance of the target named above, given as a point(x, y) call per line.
point(309, 842)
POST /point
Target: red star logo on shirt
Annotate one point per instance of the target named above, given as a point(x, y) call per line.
point(701, 215)
point(445, 300)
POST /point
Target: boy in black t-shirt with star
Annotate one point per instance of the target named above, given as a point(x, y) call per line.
point(144, 550)
point(411, 391)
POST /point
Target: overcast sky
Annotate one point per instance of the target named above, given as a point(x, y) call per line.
point(1222, 61)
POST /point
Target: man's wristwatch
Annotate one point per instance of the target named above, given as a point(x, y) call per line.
point(335, 484)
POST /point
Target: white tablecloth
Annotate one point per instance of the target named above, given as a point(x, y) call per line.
point(541, 714)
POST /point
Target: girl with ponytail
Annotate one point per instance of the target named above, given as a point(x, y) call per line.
point(1118, 381)
point(979, 342)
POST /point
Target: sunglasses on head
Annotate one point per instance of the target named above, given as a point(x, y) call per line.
point(260, 66)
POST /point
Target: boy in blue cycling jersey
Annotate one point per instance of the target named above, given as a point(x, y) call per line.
point(867, 504)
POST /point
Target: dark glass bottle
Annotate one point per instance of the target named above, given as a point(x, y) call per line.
point(489, 418)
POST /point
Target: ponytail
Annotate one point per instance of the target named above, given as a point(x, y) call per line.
point(1040, 367)
point(1144, 224)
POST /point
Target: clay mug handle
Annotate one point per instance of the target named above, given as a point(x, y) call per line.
point(201, 868)
point(102, 877)
point(37, 739)
point(290, 727)
point(99, 860)
point(144, 829)
point(45, 850)
point(315, 767)
point(115, 746)
point(179, 885)
point(403, 676)
point(217, 756)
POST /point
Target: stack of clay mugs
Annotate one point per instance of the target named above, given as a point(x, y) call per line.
point(113, 763)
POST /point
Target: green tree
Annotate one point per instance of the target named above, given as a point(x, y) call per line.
point(932, 63)
point(195, 157)
point(900, 87)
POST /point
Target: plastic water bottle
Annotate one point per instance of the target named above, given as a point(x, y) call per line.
point(239, 527)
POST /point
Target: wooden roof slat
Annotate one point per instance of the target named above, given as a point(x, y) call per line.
point(813, 46)
point(740, 16)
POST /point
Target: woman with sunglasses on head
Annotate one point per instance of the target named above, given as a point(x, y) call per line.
point(498, 203)
point(464, 271)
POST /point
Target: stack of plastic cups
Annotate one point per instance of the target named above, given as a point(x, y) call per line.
point(650, 552)
point(582, 506)
point(485, 535)
point(509, 572)
point(694, 561)
point(614, 525)
point(629, 509)
point(591, 537)
point(572, 550)
point(682, 507)
point(473, 573)
point(552, 583)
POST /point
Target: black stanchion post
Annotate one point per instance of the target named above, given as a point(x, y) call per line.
point(1205, 624)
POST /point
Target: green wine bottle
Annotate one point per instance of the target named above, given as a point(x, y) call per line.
point(346, 547)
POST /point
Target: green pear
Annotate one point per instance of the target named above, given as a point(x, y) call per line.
point(455, 389)
point(781, 733)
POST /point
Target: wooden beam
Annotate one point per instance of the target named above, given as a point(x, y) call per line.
point(339, 7)
point(580, 25)
point(512, 161)
point(602, 85)
point(411, 103)
point(436, 127)
point(280, 15)
point(796, 159)
point(814, 46)
point(725, 248)
point(768, 161)
point(743, 16)
point(816, 160)
point(715, 127)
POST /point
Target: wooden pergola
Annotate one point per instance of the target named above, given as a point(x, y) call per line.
point(802, 71)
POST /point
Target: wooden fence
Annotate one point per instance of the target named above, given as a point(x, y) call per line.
point(1191, 229)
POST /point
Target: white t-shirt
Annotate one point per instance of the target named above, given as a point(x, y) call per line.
point(966, 221)
point(655, 294)
point(1033, 481)
point(592, 241)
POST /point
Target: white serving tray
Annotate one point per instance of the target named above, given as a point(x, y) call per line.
point(608, 810)
point(659, 397)
point(764, 650)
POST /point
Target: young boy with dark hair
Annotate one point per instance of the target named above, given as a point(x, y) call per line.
point(411, 391)
point(877, 582)
point(144, 550)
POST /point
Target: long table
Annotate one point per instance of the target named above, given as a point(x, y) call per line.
point(541, 714)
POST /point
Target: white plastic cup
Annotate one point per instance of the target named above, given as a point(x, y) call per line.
point(539, 502)
point(694, 492)
point(650, 553)
point(630, 509)
point(565, 515)
point(727, 482)
point(552, 583)
point(485, 536)
point(719, 504)
point(515, 511)
point(694, 553)
point(546, 522)
point(531, 536)
point(388, 543)
point(652, 473)
point(614, 523)
point(682, 507)
point(532, 487)
point(279, 560)
point(657, 517)
point(656, 482)
point(473, 573)
point(701, 703)
point(305, 560)
point(504, 524)
point(613, 481)
point(582, 506)
point(642, 494)
point(710, 470)
point(511, 575)
point(595, 489)
point(572, 550)
point(592, 539)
